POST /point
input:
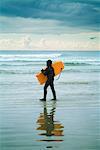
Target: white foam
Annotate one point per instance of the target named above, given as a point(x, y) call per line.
point(33, 57)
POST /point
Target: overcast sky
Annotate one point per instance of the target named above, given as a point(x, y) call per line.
point(49, 24)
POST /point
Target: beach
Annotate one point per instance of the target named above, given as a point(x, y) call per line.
point(74, 121)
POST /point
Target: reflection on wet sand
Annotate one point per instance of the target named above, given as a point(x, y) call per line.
point(48, 124)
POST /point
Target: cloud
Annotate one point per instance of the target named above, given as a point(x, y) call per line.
point(29, 25)
point(69, 12)
point(35, 26)
point(80, 41)
point(49, 24)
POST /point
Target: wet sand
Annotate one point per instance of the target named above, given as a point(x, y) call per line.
point(27, 123)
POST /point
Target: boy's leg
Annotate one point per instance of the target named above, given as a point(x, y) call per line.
point(53, 90)
point(45, 89)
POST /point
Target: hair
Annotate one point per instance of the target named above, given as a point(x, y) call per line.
point(49, 62)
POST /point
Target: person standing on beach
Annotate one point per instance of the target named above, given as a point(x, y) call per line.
point(49, 72)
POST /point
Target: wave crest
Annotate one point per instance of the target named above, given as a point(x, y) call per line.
point(27, 58)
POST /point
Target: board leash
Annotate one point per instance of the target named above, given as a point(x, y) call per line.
point(59, 75)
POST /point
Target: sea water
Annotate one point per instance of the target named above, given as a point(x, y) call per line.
point(72, 122)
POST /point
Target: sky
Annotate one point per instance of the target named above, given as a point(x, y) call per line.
point(49, 24)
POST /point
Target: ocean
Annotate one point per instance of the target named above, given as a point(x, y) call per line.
point(72, 122)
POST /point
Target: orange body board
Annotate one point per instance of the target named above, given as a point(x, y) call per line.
point(58, 67)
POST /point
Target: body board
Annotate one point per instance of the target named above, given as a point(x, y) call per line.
point(58, 67)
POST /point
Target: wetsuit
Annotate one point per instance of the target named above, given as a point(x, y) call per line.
point(49, 72)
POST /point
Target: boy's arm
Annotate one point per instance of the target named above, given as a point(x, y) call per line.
point(45, 72)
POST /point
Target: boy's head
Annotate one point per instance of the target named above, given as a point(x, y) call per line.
point(49, 63)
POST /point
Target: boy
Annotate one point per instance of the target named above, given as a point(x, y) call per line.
point(49, 72)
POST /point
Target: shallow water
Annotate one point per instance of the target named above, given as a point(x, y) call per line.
point(72, 122)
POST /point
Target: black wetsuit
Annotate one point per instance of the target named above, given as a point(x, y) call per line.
point(49, 72)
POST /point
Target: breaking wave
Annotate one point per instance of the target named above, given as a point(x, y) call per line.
point(28, 57)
